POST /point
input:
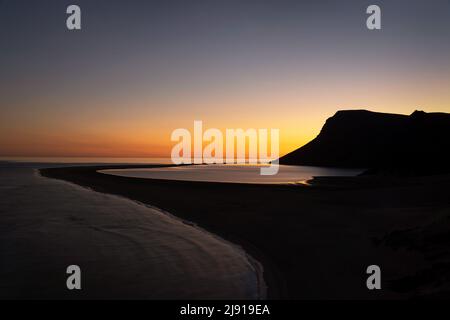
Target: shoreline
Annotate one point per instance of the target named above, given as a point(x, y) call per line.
point(267, 278)
point(124, 249)
point(255, 264)
point(295, 232)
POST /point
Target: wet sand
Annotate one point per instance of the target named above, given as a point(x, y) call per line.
point(314, 242)
point(125, 250)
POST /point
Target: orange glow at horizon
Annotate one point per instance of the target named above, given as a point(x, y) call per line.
point(119, 87)
point(134, 138)
point(141, 126)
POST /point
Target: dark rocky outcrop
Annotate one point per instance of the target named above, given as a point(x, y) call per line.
point(418, 143)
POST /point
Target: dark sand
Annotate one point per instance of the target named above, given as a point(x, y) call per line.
point(314, 242)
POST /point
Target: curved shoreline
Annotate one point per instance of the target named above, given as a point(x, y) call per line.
point(314, 241)
point(254, 264)
point(263, 268)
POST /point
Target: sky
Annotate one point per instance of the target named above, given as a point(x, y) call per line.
point(137, 70)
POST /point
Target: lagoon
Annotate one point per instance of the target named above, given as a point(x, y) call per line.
point(229, 173)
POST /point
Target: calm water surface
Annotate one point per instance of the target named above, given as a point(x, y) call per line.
point(124, 249)
point(233, 173)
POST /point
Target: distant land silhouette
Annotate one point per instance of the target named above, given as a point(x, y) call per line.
point(382, 142)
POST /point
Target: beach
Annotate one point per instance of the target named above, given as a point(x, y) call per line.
point(253, 153)
point(125, 250)
point(314, 242)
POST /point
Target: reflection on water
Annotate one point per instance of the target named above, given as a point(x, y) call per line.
point(233, 173)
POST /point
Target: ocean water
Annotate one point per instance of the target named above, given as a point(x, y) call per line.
point(124, 249)
point(85, 160)
point(233, 173)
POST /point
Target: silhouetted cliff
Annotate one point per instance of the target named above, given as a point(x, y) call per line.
point(419, 143)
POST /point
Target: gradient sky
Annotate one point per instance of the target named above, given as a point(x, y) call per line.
point(139, 69)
